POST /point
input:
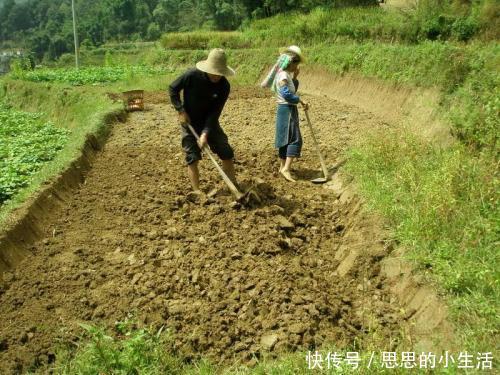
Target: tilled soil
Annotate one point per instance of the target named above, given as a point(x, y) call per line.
point(230, 282)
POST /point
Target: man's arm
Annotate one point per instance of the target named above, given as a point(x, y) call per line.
point(174, 90)
point(215, 112)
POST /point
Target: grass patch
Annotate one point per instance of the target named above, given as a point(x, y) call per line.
point(26, 143)
point(88, 75)
point(248, 63)
point(125, 352)
point(425, 20)
point(325, 25)
point(474, 101)
point(205, 40)
point(443, 205)
point(132, 350)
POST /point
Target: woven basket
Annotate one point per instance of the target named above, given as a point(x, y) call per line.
point(134, 100)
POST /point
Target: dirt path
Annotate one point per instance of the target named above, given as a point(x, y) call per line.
point(301, 270)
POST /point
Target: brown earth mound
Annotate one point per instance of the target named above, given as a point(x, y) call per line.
point(300, 270)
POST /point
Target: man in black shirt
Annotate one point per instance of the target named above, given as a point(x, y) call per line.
point(205, 91)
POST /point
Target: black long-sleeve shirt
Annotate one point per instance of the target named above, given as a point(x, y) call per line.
point(203, 99)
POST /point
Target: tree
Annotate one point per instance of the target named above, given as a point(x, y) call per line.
point(18, 19)
point(153, 31)
point(39, 43)
point(44, 25)
point(143, 18)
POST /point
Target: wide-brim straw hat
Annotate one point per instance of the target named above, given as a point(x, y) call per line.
point(294, 50)
point(216, 63)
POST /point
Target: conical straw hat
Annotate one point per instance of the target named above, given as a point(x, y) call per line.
point(216, 63)
point(294, 50)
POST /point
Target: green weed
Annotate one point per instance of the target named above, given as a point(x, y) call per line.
point(135, 351)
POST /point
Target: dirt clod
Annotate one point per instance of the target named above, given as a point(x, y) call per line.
point(268, 341)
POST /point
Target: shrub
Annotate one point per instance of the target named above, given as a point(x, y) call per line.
point(464, 28)
point(204, 40)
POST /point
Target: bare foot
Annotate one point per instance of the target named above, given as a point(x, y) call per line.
point(286, 173)
point(282, 165)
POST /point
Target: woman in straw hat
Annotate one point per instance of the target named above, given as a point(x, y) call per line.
point(205, 91)
point(283, 81)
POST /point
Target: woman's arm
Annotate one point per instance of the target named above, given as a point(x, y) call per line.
point(287, 94)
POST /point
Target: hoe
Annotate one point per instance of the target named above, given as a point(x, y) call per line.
point(249, 197)
point(319, 180)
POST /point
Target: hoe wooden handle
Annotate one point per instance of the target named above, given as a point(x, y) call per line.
point(316, 145)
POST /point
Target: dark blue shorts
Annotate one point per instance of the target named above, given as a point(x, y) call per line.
point(217, 141)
